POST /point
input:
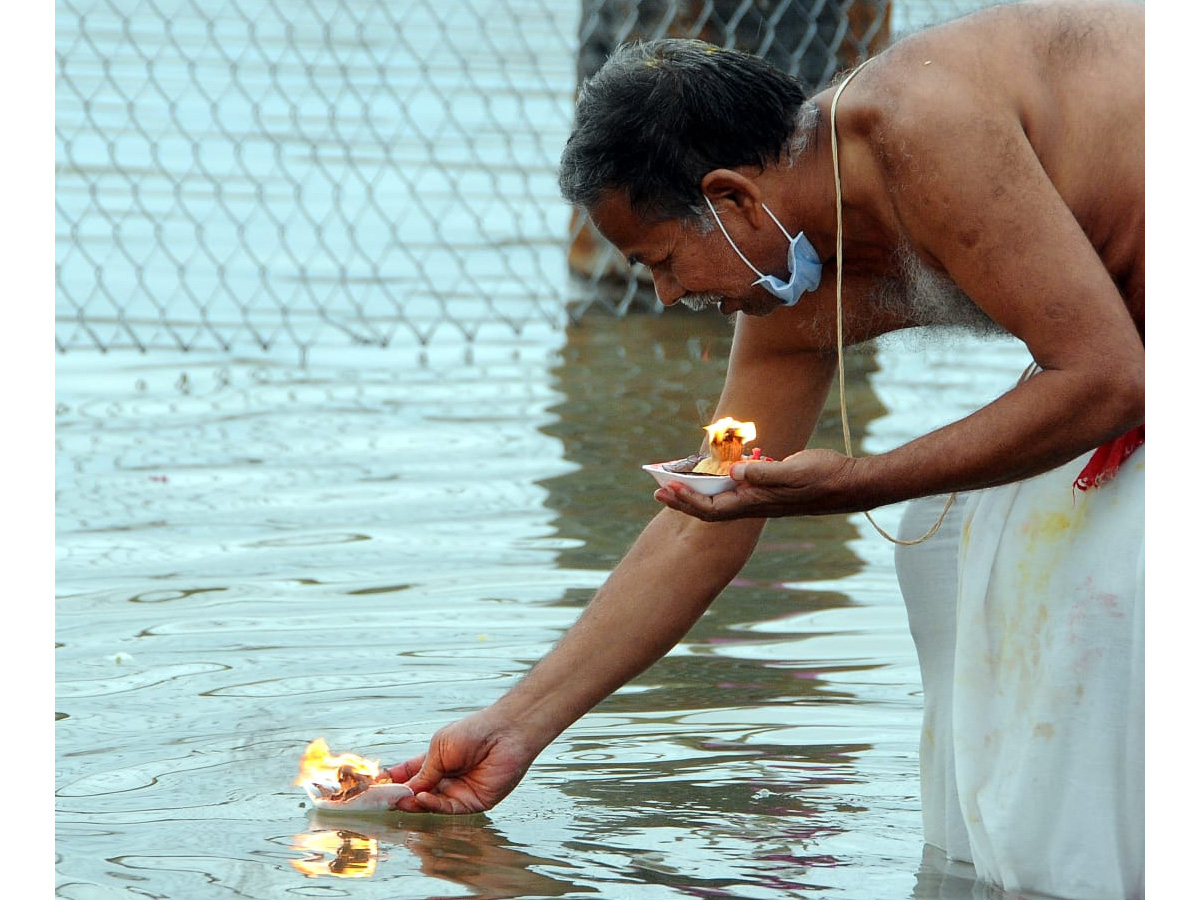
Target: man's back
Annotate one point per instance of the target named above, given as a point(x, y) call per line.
point(1073, 73)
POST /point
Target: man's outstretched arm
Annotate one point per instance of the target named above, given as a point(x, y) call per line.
point(663, 585)
point(666, 581)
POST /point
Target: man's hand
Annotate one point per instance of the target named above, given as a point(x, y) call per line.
point(470, 766)
point(811, 482)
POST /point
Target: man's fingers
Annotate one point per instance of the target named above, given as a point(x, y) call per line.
point(402, 772)
point(437, 803)
point(753, 473)
point(398, 773)
point(408, 804)
point(418, 774)
point(428, 777)
point(425, 801)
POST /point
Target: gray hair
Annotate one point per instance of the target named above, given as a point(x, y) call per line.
point(658, 116)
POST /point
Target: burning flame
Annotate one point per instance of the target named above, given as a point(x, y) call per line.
point(321, 766)
point(726, 438)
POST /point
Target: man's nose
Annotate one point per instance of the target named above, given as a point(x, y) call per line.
point(667, 288)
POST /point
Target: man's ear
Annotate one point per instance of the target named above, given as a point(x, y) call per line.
point(733, 188)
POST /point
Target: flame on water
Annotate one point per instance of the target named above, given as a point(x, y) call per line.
point(319, 764)
point(730, 429)
point(344, 854)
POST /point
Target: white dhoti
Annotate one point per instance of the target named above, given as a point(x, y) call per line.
point(1026, 609)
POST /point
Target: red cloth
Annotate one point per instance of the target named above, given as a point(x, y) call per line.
point(1108, 458)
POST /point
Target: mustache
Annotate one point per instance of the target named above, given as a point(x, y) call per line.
point(697, 302)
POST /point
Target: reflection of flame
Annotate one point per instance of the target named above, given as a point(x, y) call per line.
point(318, 764)
point(726, 438)
point(345, 854)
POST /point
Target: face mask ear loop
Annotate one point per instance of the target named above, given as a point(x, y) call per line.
point(777, 222)
point(730, 240)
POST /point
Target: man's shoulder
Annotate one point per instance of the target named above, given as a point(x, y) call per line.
point(1016, 60)
point(1011, 42)
point(1060, 23)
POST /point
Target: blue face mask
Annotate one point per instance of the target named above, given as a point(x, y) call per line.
point(803, 263)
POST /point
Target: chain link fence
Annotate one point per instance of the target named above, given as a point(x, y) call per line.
point(234, 174)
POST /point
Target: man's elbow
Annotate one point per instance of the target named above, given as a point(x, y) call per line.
point(1135, 399)
point(1125, 395)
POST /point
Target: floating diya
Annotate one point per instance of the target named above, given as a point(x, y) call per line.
point(709, 475)
point(346, 782)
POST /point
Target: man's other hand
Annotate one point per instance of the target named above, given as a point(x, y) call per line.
point(811, 482)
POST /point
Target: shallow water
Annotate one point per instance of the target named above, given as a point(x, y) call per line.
point(251, 554)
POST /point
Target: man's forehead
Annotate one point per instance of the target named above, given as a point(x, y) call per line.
point(614, 207)
point(616, 219)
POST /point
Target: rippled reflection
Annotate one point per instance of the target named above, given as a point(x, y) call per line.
point(463, 853)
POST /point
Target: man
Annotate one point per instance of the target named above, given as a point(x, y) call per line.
point(988, 173)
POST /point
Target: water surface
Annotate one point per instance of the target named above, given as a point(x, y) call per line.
point(252, 554)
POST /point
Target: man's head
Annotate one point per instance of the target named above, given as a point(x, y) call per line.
point(659, 116)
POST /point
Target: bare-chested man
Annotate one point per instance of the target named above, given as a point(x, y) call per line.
point(988, 172)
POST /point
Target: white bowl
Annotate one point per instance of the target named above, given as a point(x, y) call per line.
point(376, 798)
point(701, 484)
